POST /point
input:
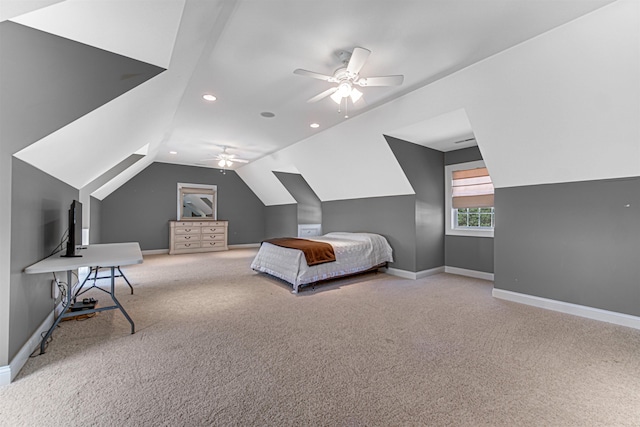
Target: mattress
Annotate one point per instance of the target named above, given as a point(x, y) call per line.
point(355, 252)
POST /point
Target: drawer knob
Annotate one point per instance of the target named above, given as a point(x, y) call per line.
point(187, 230)
point(187, 244)
point(187, 237)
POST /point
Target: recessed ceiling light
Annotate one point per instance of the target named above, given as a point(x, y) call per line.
point(173, 152)
point(208, 97)
point(314, 125)
point(267, 114)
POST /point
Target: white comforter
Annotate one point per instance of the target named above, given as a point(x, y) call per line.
point(355, 252)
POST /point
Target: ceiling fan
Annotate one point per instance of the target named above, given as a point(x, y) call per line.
point(226, 160)
point(347, 77)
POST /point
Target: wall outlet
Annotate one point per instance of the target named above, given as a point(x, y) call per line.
point(55, 291)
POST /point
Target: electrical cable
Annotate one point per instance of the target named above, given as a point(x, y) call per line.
point(63, 239)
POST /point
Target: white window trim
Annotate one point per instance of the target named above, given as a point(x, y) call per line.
point(448, 171)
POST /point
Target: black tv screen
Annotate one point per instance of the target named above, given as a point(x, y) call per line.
point(75, 229)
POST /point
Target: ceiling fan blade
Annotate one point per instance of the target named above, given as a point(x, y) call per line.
point(381, 81)
point(311, 74)
point(358, 58)
point(324, 94)
point(240, 160)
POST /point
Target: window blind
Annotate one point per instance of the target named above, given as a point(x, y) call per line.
point(472, 188)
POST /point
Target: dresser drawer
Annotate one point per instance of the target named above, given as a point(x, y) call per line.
point(213, 230)
point(213, 237)
point(212, 244)
point(188, 230)
point(197, 223)
point(214, 224)
point(187, 238)
point(186, 224)
point(187, 245)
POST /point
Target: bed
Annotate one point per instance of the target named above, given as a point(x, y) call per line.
point(354, 253)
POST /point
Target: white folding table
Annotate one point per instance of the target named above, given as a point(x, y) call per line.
point(110, 255)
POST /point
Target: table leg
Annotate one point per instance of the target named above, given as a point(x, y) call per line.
point(113, 297)
point(125, 279)
point(76, 293)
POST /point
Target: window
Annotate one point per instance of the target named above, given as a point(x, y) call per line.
point(483, 218)
point(469, 200)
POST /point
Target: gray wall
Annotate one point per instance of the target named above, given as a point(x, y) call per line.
point(281, 221)
point(95, 231)
point(141, 209)
point(573, 242)
point(44, 81)
point(39, 218)
point(470, 253)
point(424, 168)
point(392, 217)
point(464, 155)
point(309, 205)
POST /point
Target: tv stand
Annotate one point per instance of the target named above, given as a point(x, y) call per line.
point(71, 251)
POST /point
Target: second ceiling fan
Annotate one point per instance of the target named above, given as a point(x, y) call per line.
point(226, 160)
point(348, 77)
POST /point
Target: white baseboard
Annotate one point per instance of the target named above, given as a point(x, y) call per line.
point(155, 252)
point(411, 274)
point(5, 375)
point(8, 373)
point(569, 308)
point(444, 269)
point(469, 273)
point(244, 245)
point(166, 251)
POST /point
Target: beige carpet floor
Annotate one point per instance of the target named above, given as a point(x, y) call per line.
point(218, 344)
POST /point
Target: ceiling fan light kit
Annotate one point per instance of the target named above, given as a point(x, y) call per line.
point(347, 76)
point(226, 160)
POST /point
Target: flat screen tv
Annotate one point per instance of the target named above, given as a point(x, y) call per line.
point(74, 241)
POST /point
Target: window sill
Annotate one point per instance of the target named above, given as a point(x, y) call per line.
point(469, 233)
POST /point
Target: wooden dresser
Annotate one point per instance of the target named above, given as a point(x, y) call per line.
point(189, 236)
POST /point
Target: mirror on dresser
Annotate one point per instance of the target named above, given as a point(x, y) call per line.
point(197, 201)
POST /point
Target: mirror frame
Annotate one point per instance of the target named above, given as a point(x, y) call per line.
point(185, 188)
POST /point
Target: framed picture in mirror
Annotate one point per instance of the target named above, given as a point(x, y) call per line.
point(197, 201)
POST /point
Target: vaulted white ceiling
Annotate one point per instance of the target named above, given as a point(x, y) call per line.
point(245, 51)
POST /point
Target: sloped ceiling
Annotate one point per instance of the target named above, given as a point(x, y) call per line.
point(114, 26)
point(560, 107)
point(446, 132)
point(48, 83)
point(528, 75)
point(12, 8)
point(82, 79)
